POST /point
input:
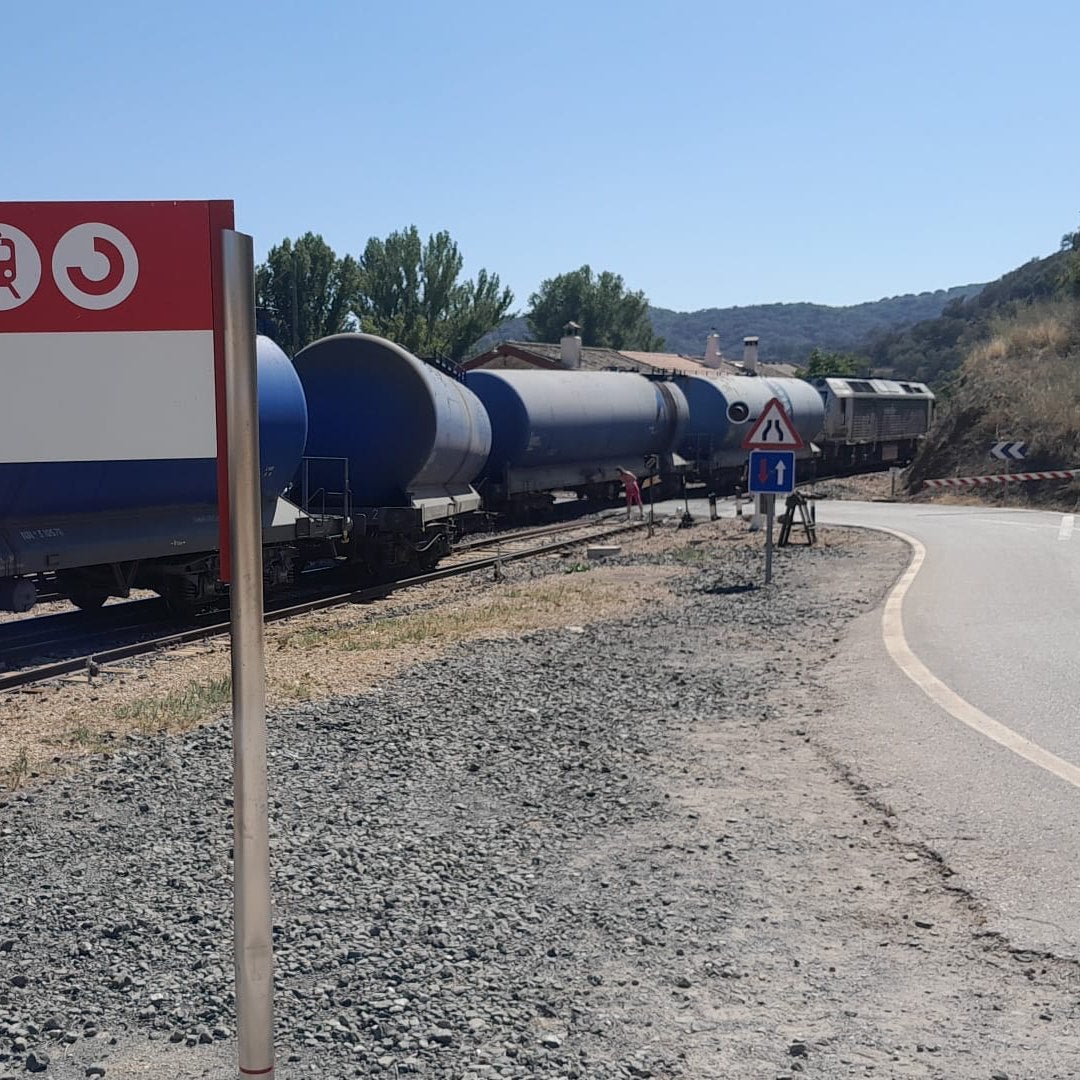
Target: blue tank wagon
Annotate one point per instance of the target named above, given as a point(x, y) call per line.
point(572, 430)
point(394, 444)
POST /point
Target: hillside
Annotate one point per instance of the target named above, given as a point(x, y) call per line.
point(1022, 382)
point(931, 351)
point(788, 332)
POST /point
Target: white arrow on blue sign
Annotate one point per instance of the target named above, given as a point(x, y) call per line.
point(1009, 451)
point(771, 472)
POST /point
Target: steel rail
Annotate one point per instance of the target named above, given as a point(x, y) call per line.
point(526, 534)
point(19, 679)
point(39, 635)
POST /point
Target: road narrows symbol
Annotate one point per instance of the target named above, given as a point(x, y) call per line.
point(773, 430)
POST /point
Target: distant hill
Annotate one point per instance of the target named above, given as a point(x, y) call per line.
point(788, 332)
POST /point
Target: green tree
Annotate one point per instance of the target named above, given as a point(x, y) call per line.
point(304, 292)
point(410, 293)
point(820, 364)
point(608, 315)
point(1070, 277)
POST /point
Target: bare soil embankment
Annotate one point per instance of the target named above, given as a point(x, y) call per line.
point(1023, 384)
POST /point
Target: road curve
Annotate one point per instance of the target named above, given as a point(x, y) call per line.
point(992, 616)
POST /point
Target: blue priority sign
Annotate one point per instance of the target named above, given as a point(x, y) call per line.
point(771, 472)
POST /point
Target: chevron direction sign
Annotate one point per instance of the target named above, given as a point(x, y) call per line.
point(1009, 451)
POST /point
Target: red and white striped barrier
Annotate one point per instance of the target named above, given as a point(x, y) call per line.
point(1001, 478)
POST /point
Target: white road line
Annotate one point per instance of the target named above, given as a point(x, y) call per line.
point(1014, 524)
point(892, 626)
point(1067, 523)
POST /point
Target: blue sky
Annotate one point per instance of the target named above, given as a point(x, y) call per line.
point(712, 153)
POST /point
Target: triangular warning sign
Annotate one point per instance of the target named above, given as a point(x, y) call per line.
point(773, 430)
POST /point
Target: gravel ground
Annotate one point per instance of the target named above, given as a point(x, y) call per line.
point(341, 650)
point(601, 850)
point(868, 486)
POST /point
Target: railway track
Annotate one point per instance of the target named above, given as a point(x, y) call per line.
point(24, 639)
point(15, 680)
point(505, 539)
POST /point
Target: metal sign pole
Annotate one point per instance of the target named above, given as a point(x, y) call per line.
point(770, 509)
point(251, 845)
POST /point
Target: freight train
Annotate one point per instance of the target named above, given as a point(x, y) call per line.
point(374, 460)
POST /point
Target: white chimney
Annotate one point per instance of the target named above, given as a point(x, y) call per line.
point(749, 353)
point(712, 350)
point(570, 346)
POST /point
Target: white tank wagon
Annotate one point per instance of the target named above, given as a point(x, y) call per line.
point(723, 411)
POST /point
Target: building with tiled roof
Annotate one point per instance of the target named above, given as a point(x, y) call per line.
point(571, 354)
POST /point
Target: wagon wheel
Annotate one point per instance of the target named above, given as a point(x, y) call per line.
point(87, 599)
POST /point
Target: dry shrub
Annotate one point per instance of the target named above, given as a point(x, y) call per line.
point(1027, 379)
point(1036, 328)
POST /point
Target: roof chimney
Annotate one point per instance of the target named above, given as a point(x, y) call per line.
point(749, 353)
point(712, 350)
point(570, 346)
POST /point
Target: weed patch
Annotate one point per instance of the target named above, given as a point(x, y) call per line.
point(689, 555)
point(178, 710)
point(512, 610)
point(15, 774)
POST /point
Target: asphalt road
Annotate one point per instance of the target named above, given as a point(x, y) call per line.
point(992, 613)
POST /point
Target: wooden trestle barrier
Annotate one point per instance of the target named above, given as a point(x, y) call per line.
point(797, 502)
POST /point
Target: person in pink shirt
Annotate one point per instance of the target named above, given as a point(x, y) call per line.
point(633, 491)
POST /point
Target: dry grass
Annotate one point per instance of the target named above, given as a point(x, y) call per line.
point(1028, 379)
point(1037, 328)
point(15, 773)
point(176, 711)
point(345, 651)
point(1022, 384)
point(340, 651)
point(512, 610)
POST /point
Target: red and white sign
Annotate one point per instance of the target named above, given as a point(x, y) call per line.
point(111, 332)
point(773, 430)
point(109, 267)
point(1001, 478)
